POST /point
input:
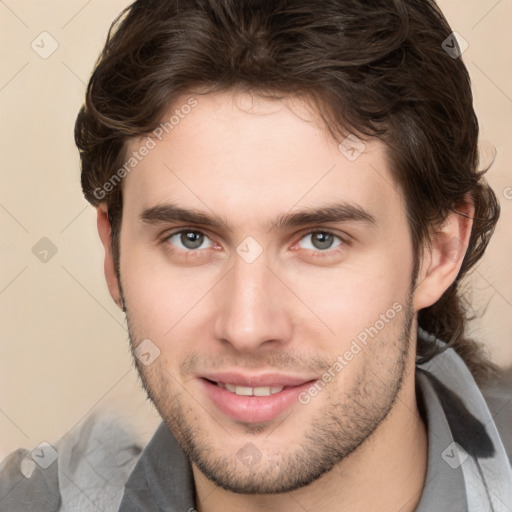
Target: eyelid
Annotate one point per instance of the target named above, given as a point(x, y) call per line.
point(164, 238)
point(174, 231)
point(345, 238)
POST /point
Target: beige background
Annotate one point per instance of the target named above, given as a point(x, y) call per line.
point(64, 348)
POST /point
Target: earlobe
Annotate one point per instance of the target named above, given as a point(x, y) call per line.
point(105, 233)
point(443, 257)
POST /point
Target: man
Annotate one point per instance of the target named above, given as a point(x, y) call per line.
point(288, 197)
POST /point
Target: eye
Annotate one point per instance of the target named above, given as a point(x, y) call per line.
point(189, 240)
point(320, 241)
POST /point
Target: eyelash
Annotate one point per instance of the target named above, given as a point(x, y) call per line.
point(314, 253)
point(189, 252)
point(344, 243)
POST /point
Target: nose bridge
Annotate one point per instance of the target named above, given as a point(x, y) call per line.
point(252, 311)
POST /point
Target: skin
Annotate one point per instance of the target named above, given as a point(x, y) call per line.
point(360, 443)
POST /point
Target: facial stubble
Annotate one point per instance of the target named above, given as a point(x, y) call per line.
point(344, 423)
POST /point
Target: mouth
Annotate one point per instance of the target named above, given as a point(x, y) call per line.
point(255, 399)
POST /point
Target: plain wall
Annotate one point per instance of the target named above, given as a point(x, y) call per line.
point(64, 347)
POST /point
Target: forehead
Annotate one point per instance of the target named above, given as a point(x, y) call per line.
point(234, 151)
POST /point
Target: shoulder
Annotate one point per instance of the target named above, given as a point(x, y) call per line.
point(86, 468)
point(23, 483)
point(499, 401)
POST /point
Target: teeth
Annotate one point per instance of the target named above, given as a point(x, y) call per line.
point(247, 391)
point(263, 391)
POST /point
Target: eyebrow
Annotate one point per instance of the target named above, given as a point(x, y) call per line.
point(332, 212)
point(168, 212)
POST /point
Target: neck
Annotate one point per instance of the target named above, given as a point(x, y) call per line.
point(386, 473)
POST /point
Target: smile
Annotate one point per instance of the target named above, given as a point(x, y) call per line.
point(253, 399)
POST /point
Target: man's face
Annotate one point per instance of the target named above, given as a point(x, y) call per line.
point(263, 300)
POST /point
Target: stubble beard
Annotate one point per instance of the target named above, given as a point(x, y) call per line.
point(339, 427)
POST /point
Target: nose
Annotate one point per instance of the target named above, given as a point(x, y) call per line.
point(253, 307)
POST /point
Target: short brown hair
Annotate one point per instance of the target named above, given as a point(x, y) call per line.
point(377, 69)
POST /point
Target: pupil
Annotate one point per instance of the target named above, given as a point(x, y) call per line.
point(191, 239)
point(322, 240)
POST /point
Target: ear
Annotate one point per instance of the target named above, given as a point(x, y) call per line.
point(442, 259)
point(105, 232)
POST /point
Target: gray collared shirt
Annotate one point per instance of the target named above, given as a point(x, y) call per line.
point(100, 466)
point(467, 471)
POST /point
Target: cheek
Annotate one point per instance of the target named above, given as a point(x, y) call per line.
point(352, 297)
point(151, 292)
point(165, 302)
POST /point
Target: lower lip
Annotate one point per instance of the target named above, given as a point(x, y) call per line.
point(253, 409)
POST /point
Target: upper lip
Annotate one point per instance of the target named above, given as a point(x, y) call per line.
point(256, 381)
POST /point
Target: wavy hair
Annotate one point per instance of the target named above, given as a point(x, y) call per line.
point(377, 68)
